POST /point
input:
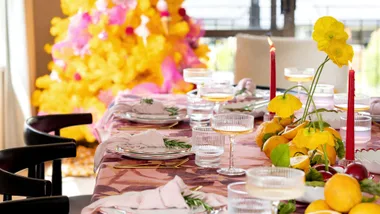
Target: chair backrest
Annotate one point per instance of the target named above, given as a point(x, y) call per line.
point(40, 205)
point(16, 159)
point(252, 60)
point(37, 128)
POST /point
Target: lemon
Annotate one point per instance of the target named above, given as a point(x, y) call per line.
point(300, 162)
point(342, 192)
point(317, 206)
point(365, 208)
point(325, 212)
point(269, 127)
point(331, 153)
point(294, 150)
point(334, 132)
point(291, 132)
point(283, 121)
point(272, 142)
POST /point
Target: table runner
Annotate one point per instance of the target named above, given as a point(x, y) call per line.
point(112, 181)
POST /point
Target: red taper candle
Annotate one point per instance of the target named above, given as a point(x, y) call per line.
point(350, 132)
point(272, 86)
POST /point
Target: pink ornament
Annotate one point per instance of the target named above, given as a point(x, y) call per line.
point(129, 30)
point(162, 5)
point(77, 76)
point(164, 14)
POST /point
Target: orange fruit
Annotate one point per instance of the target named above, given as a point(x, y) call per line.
point(294, 150)
point(342, 192)
point(269, 127)
point(365, 208)
point(272, 143)
point(291, 131)
point(283, 121)
point(317, 205)
point(325, 212)
point(331, 153)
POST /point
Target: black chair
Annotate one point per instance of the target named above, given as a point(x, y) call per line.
point(37, 131)
point(39, 190)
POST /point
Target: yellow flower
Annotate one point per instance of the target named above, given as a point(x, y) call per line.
point(340, 53)
point(312, 138)
point(327, 31)
point(284, 105)
point(303, 138)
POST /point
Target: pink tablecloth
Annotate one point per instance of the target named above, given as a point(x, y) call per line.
point(111, 181)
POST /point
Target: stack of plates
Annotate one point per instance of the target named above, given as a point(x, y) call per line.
point(150, 153)
point(153, 118)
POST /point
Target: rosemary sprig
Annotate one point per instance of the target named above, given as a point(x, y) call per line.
point(369, 186)
point(196, 202)
point(172, 110)
point(287, 208)
point(170, 143)
point(147, 101)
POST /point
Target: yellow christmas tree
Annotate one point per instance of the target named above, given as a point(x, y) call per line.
point(106, 46)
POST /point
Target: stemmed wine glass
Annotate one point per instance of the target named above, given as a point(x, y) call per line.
point(299, 75)
point(275, 183)
point(217, 92)
point(232, 124)
point(197, 76)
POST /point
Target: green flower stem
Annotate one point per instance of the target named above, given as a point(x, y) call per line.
point(326, 159)
point(313, 87)
point(312, 101)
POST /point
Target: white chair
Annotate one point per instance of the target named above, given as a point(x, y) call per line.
point(252, 60)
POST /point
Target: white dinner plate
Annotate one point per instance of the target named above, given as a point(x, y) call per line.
point(153, 119)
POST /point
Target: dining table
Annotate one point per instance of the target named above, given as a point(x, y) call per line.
point(113, 181)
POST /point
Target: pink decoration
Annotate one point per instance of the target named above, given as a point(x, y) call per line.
point(162, 6)
point(106, 97)
point(129, 30)
point(77, 76)
point(164, 14)
point(117, 15)
point(146, 88)
point(170, 73)
point(131, 4)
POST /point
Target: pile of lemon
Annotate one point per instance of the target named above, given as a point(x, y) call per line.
point(342, 195)
point(272, 133)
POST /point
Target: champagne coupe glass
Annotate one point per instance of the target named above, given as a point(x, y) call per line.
point(217, 92)
point(275, 183)
point(299, 75)
point(232, 124)
point(362, 102)
point(197, 76)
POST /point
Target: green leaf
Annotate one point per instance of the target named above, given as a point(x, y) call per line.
point(368, 199)
point(369, 186)
point(317, 159)
point(315, 183)
point(287, 208)
point(280, 156)
point(339, 148)
point(176, 144)
point(265, 138)
point(147, 101)
point(316, 124)
point(193, 202)
point(314, 175)
point(172, 110)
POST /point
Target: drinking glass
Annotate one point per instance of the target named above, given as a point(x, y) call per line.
point(362, 102)
point(362, 129)
point(208, 146)
point(324, 96)
point(232, 124)
point(217, 92)
point(275, 183)
point(197, 76)
point(199, 110)
point(240, 202)
point(299, 75)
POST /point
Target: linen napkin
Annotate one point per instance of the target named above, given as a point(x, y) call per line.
point(168, 196)
point(149, 138)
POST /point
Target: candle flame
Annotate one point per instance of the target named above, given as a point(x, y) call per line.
point(270, 41)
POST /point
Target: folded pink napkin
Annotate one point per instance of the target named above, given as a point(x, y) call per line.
point(169, 196)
